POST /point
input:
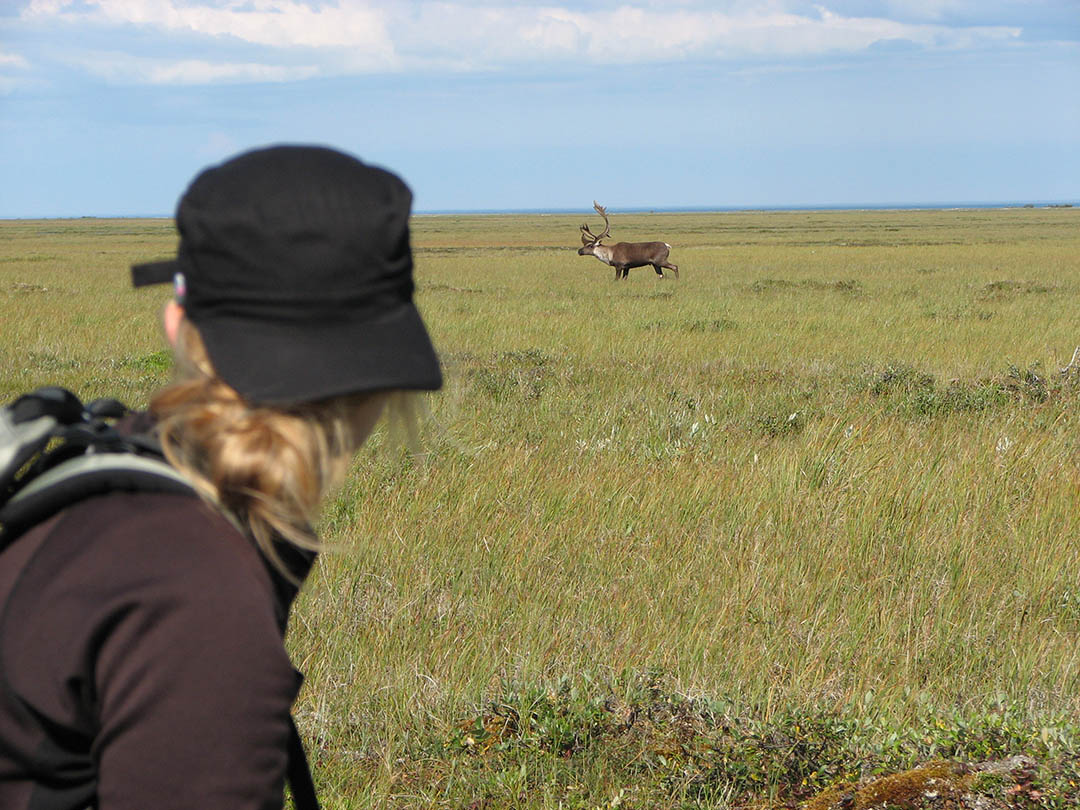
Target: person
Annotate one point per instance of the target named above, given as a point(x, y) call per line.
point(142, 662)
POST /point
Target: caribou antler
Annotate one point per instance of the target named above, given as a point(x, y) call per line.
point(588, 238)
point(607, 225)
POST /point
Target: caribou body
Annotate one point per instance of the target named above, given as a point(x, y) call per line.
point(624, 255)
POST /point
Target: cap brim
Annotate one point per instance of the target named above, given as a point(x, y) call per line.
point(163, 272)
point(287, 364)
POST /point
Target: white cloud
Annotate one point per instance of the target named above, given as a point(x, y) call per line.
point(195, 71)
point(13, 60)
point(46, 7)
point(932, 9)
point(353, 36)
point(124, 68)
point(480, 36)
point(274, 23)
point(10, 83)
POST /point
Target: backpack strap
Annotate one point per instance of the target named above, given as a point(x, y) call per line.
point(298, 772)
point(83, 477)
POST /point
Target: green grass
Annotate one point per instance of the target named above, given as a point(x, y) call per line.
point(805, 515)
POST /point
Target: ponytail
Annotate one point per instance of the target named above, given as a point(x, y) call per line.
point(266, 467)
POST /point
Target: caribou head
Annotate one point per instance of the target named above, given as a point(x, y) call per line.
point(624, 255)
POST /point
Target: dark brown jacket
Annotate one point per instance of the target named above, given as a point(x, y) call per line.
point(141, 662)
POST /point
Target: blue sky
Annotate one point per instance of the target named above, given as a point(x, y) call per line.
point(109, 107)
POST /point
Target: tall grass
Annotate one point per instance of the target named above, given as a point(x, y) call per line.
point(833, 466)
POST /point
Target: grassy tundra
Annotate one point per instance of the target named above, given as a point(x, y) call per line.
point(806, 515)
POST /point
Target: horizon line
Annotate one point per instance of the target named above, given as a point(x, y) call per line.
point(691, 209)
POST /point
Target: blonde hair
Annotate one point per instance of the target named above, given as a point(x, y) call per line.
point(267, 467)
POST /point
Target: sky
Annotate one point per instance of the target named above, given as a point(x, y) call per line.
point(110, 107)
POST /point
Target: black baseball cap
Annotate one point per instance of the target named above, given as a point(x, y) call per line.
point(295, 265)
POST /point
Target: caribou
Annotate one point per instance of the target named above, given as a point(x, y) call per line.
point(624, 255)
